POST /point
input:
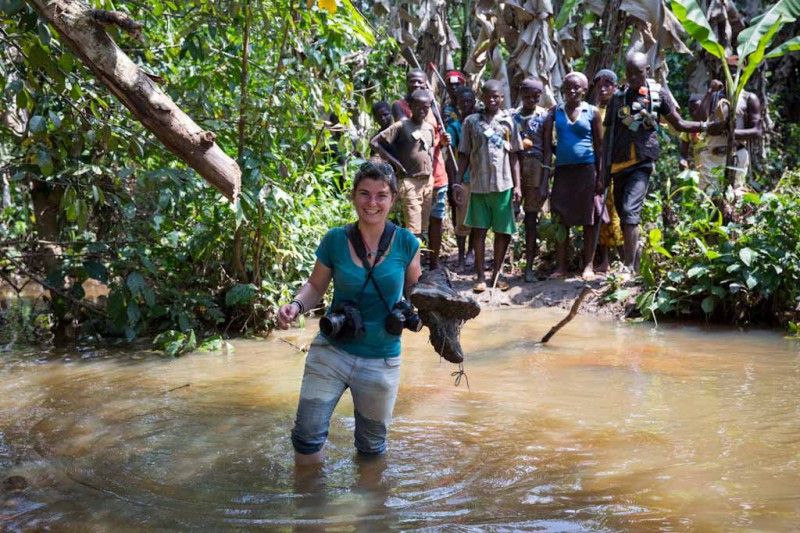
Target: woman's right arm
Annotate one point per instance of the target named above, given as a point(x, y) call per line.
point(308, 296)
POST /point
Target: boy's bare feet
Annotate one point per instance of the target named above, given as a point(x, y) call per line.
point(588, 273)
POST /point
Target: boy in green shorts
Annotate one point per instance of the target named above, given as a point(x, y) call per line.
point(489, 145)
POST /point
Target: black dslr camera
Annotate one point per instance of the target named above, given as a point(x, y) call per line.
point(343, 322)
point(402, 316)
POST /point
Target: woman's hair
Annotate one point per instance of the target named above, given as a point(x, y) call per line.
point(378, 171)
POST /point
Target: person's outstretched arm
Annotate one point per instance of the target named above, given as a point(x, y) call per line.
point(377, 144)
point(308, 296)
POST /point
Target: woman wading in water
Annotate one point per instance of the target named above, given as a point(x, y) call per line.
point(372, 264)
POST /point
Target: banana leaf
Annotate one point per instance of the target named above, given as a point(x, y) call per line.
point(750, 62)
point(791, 45)
point(696, 24)
point(565, 12)
point(782, 12)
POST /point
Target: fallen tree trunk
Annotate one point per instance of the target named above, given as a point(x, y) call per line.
point(81, 29)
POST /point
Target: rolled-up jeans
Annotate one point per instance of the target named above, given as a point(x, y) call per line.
point(373, 383)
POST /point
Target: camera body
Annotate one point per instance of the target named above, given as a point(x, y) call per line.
point(343, 322)
point(402, 316)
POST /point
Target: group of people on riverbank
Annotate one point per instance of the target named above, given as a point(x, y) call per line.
point(501, 158)
point(527, 155)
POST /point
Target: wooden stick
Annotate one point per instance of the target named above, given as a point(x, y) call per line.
point(572, 312)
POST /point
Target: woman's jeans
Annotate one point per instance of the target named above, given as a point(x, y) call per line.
point(328, 372)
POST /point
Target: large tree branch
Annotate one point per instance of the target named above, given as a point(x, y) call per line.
point(80, 30)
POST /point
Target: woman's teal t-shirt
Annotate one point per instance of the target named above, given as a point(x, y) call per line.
point(348, 279)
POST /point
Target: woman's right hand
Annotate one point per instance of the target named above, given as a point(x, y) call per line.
point(287, 314)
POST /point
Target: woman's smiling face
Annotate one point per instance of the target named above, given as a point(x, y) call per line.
point(373, 200)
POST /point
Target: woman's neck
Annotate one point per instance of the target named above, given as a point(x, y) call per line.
point(371, 231)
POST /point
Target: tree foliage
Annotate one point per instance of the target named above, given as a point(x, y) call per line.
point(133, 217)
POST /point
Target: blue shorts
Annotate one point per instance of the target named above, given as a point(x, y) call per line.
point(439, 202)
point(328, 372)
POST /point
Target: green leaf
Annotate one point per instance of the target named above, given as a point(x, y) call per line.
point(754, 58)
point(96, 271)
point(149, 296)
point(697, 271)
point(134, 313)
point(712, 254)
point(11, 7)
point(45, 162)
point(170, 341)
point(355, 22)
point(654, 237)
point(792, 45)
point(77, 291)
point(566, 11)
point(751, 281)
point(781, 12)
point(116, 309)
point(136, 283)
point(211, 344)
point(708, 304)
point(183, 322)
point(694, 21)
point(37, 124)
point(240, 293)
point(37, 57)
point(191, 341)
point(55, 119)
point(747, 255)
point(663, 251)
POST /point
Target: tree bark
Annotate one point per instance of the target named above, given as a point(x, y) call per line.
point(87, 39)
point(238, 237)
point(608, 44)
point(46, 200)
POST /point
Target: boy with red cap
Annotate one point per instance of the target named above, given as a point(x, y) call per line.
point(454, 80)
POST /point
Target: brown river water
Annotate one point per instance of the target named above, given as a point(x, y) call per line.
point(609, 427)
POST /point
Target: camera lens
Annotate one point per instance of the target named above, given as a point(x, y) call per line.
point(332, 323)
point(413, 323)
point(395, 322)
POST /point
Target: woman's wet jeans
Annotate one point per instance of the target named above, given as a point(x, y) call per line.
point(328, 372)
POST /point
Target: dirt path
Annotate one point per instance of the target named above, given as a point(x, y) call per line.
point(550, 293)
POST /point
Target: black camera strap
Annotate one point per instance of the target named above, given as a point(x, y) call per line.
point(355, 238)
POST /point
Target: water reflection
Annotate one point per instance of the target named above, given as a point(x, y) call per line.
point(609, 427)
